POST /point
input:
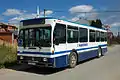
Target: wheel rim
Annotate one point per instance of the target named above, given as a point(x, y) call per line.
point(99, 54)
point(73, 60)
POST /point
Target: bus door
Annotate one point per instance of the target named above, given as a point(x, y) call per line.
point(59, 37)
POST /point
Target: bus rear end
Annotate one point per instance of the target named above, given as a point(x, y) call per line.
point(34, 43)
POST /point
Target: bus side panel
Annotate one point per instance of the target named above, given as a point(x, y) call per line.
point(87, 55)
point(61, 61)
point(104, 47)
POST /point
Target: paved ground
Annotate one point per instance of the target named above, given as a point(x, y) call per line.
point(104, 68)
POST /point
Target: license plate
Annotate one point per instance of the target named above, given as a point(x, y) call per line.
point(31, 63)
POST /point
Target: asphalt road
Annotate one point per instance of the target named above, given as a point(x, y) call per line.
point(104, 68)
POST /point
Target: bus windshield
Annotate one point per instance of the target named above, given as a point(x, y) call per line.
point(35, 37)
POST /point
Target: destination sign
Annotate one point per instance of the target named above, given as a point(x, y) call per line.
point(33, 21)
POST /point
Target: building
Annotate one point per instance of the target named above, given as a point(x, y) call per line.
point(8, 33)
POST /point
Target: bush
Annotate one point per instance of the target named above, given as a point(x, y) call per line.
point(7, 56)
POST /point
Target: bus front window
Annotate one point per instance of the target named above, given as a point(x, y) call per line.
point(36, 37)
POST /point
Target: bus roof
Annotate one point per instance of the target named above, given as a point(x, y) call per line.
point(64, 20)
point(38, 18)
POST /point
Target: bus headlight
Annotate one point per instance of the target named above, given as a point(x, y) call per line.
point(21, 57)
point(45, 59)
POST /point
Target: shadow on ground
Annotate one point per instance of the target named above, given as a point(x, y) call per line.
point(42, 71)
point(35, 69)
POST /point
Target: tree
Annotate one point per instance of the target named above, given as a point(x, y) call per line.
point(96, 23)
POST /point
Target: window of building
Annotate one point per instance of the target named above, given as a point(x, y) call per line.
point(83, 35)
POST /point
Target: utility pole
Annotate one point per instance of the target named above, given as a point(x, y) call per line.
point(118, 31)
point(38, 12)
point(44, 12)
point(85, 15)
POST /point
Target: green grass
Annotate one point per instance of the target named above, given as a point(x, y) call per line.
point(7, 56)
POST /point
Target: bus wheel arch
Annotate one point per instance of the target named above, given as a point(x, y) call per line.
point(73, 58)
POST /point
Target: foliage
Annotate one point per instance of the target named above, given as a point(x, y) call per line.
point(7, 55)
point(113, 40)
point(96, 23)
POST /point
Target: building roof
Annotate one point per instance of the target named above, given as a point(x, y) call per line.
point(6, 25)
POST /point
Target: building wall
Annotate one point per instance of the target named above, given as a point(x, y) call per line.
point(7, 33)
point(6, 36)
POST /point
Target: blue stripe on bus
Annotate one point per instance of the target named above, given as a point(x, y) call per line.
point(62, 61)
point(76, 50)
point(60, 52)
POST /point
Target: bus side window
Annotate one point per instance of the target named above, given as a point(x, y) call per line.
point(83, 35)
point(102, 37)
point(72, 34)
point(105, 36)
point(92, 35)
point(97, 36)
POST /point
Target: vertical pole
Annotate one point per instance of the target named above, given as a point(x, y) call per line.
point(12, 38)
point(85, 15)
point(44, 12)
point(38, 12)
point(118, 31)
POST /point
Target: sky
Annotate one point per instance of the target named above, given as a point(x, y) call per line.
point(12, 11)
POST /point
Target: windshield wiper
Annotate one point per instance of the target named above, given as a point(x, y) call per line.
point(37, 43)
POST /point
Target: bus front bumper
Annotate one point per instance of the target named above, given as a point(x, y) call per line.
point(36, 61)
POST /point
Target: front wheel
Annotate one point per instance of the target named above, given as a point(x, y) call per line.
point(72, 60)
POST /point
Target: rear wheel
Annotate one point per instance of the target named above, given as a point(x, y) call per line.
point(99, 52)
point(72, 60)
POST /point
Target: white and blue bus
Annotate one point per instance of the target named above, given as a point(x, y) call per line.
point(56, 43)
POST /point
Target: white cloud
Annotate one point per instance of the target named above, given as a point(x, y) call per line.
point(81, 8)
point(12, 12)
point(16, 20)
point(109, 18)
point(75, 19)
point(48, 12)
point(79, 12)
point(91, 16)
point(1, 18)
point(62, 17)
point(19, 15)
point(116, 24)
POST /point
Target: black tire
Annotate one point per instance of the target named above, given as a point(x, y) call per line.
point(72, 60)
point(99, 52)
